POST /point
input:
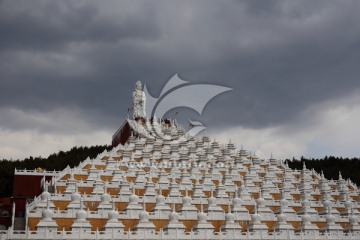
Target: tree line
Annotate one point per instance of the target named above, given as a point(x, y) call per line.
point(56, 161)
point(331, 166)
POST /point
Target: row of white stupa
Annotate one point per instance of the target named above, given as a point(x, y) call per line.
point(194, 180)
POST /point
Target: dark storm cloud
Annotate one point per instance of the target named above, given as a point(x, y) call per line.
point(40, 69)
point(279, 56)
point(43, 25)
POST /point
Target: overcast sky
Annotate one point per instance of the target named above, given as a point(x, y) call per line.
point(68, 69)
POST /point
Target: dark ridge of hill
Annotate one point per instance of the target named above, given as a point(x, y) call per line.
point(349, 167)
point(56, 161)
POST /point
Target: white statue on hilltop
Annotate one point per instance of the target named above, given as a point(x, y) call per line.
point(139, 101)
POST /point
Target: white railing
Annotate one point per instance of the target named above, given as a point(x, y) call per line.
point(35, 172)
point(63, 173)
point(151, 234)
point(32, 204)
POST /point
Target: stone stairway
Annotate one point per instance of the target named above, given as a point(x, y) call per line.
point(19, 223)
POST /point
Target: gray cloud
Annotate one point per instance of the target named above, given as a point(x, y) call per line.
point(49, 26)
point(281, 57)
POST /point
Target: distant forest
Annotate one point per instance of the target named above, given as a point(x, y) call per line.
point(350, 168)
point(57, 161)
